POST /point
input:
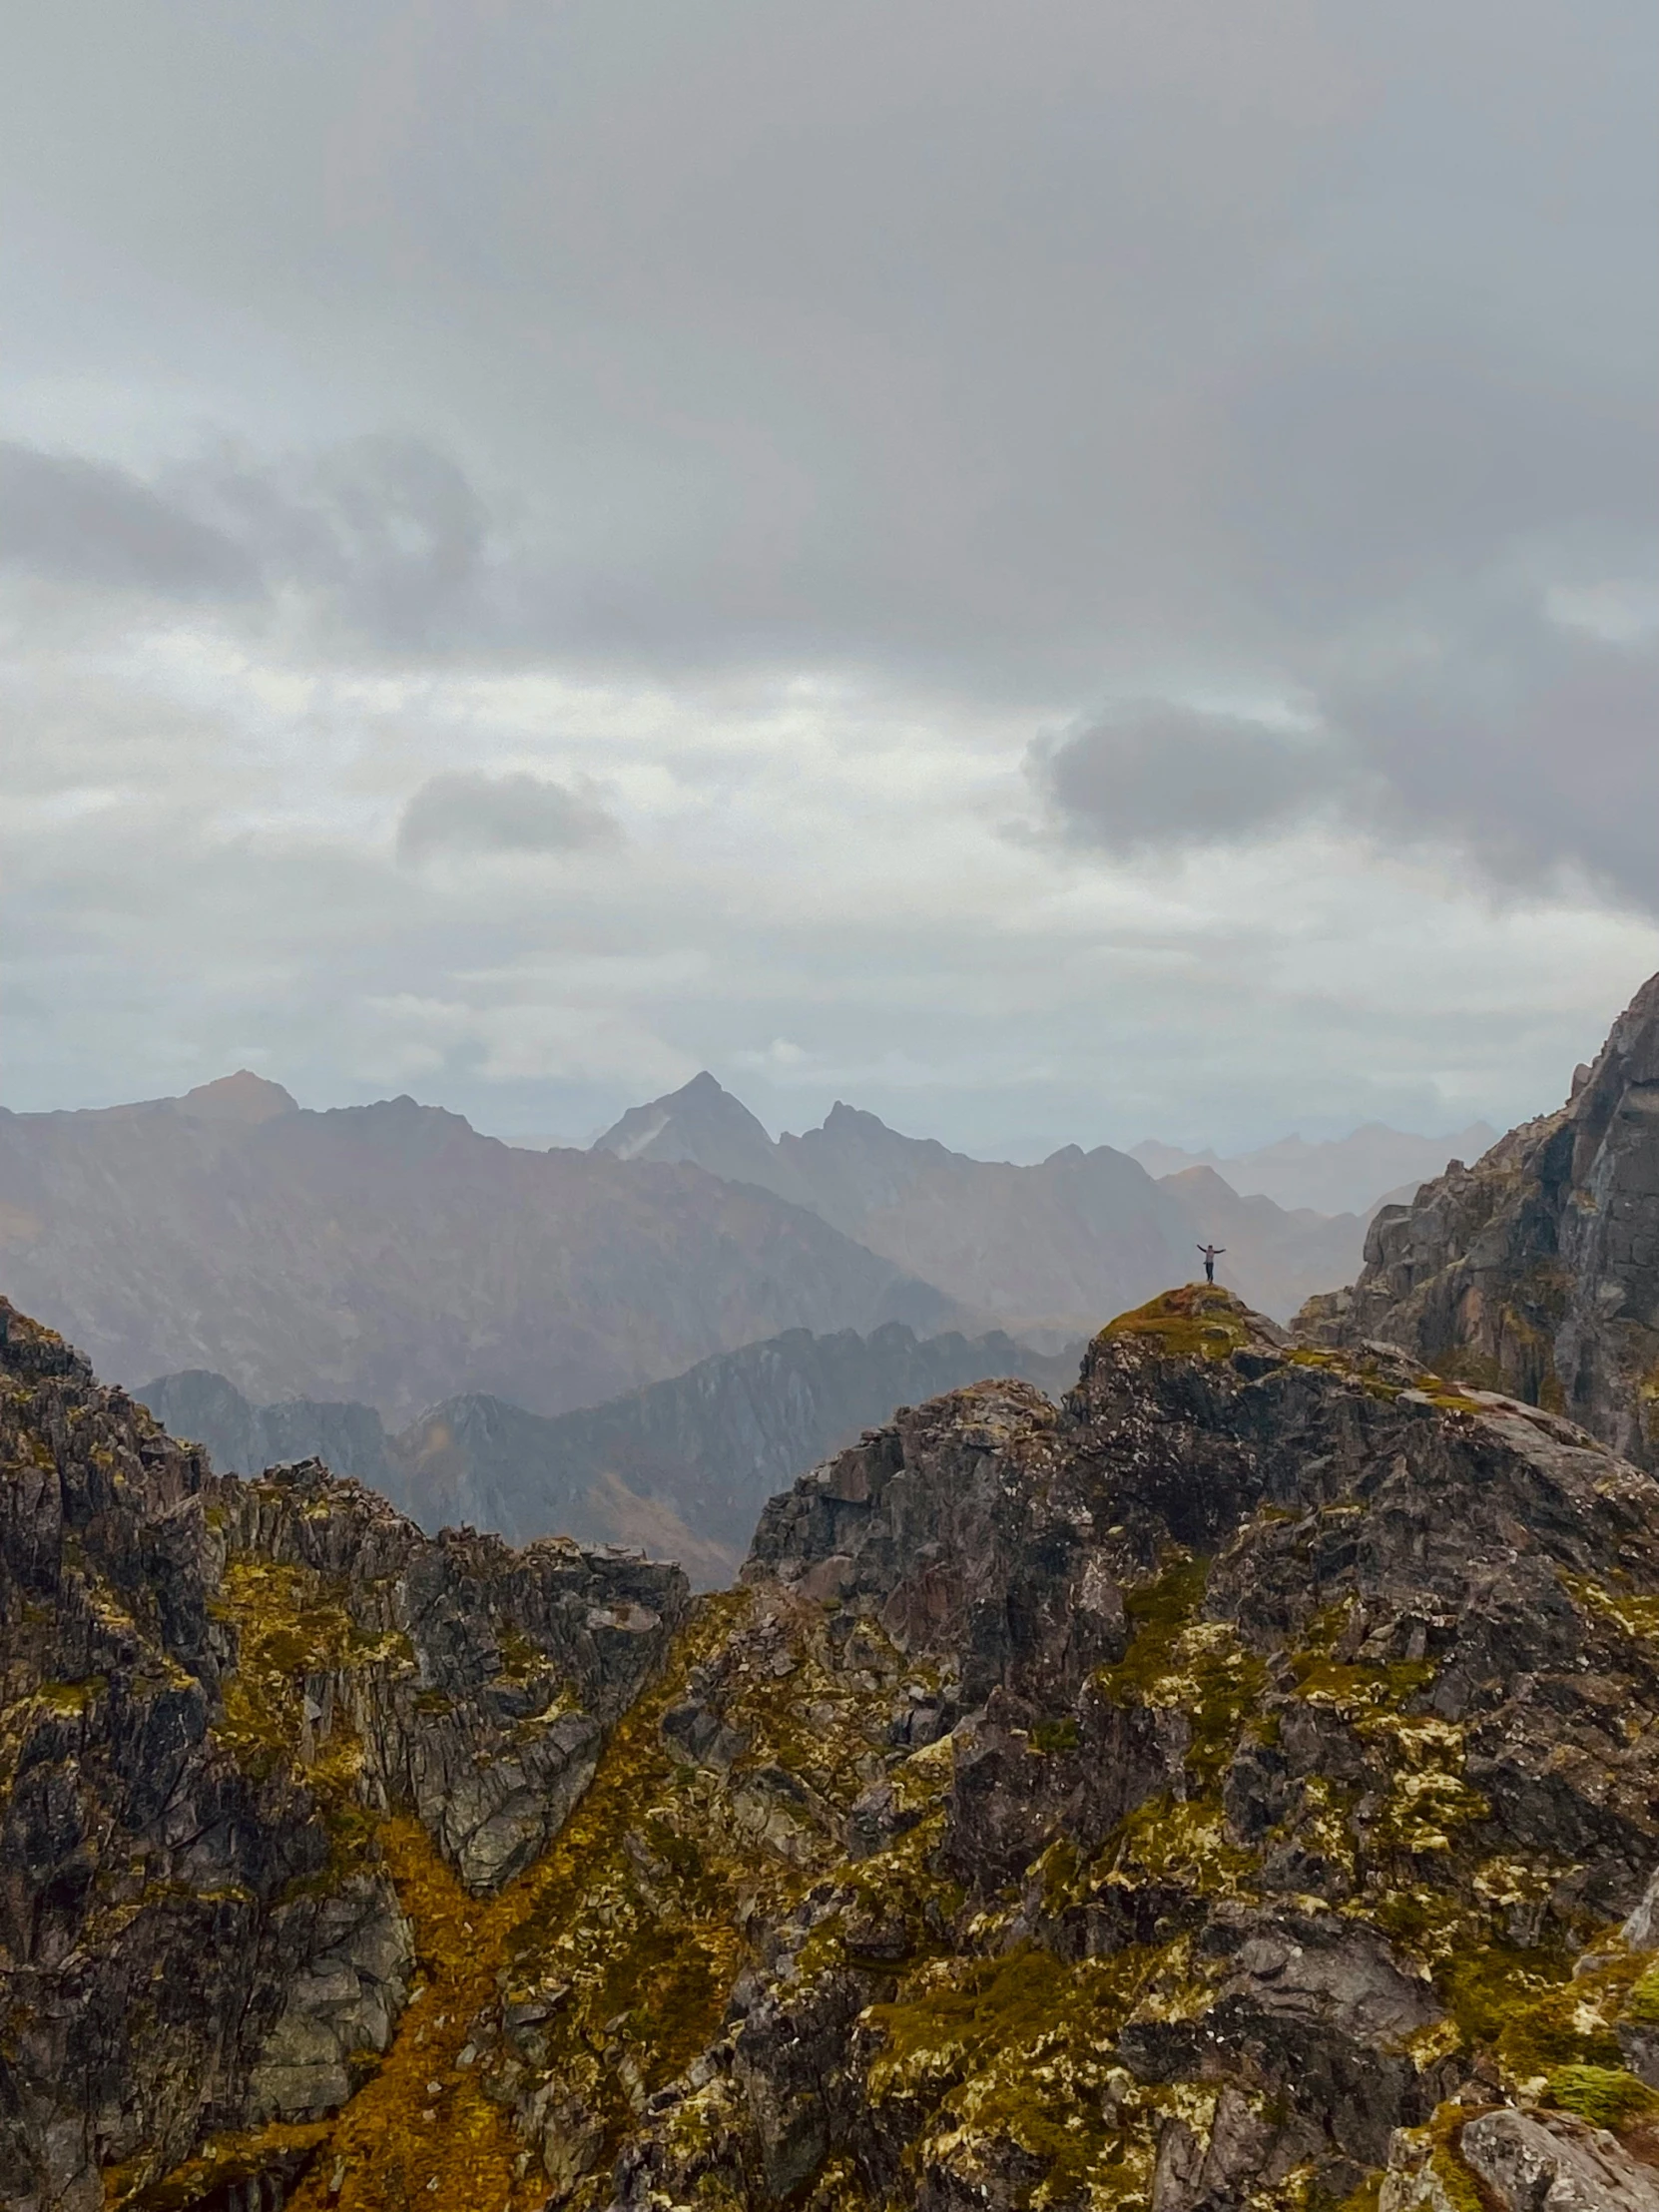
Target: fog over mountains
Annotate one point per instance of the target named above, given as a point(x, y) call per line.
point(390, 1253)
point(389, 1256)
point(1055, 1248)
point(1349, 1174)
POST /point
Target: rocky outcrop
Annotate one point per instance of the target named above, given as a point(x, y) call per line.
point(1238, 1786)
point(1536, 1271)
point(219, 1699)
point(1520, 2163)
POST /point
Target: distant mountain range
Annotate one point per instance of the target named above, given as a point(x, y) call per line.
point(1046, 1252)
point(392, 1254)
point(389, 1256)
point(681, 1469)
point(1355, 1174)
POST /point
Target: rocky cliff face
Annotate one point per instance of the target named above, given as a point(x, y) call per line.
point(1236, 1787)
point(1536, 1271)
point(243, 1723)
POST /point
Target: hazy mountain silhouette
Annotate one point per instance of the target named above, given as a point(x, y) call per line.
point(1055, 1248)
point(389, 1254)
point(681, 1469)
point(1353, 1175)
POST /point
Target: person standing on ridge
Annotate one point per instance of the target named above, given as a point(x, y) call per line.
point(1212, 1252)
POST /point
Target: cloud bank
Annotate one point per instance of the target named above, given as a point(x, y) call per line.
point(1143, 510)
point(1521, 756)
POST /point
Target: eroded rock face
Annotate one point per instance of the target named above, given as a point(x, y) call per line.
point(1536, 1271)
point(1236, 1787)
point(1220, 1791)
point(211, 1690)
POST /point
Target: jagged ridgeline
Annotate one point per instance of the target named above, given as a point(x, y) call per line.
point(1236, 1787)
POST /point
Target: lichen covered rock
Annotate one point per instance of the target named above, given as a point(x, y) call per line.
point(1238, 1787)
point(213, 1692)
point(1224, 1790)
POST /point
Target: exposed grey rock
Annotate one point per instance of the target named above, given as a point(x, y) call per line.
point(207, 1684)
point(1536, 1271)
point(345, 2000)
point(1559, 2164)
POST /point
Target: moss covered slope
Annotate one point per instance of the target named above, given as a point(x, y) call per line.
point(1236, 1787)
point(1268, 1766)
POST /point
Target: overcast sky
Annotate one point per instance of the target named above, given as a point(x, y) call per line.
point(1059, 570)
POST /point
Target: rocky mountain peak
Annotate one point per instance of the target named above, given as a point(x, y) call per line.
point(1233, 1786)
point(703, 1123)
point(1536, 1268)
point(243, 1097)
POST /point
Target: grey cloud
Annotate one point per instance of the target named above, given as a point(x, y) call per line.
point(1168, 776)
point(87, 522)
point(501, 813)
point(1531, 746)
point(1034, 358)
point(387, 535)
point(383, 538)
point(1523, 746)
point(1002, 347)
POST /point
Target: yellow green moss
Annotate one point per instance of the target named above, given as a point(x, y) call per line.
point(290, 1622)
point(1636, 1614)
point(72, 1697)
point(1176, 1661)
point(1607, 2096)
point(1194, 1321)
point(1526, 2009)
point(1178, 1844)
point(1016, 2048)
